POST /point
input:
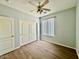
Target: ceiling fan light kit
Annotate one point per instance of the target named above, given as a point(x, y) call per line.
point(40, 7)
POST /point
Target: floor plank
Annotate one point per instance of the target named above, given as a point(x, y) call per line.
point(41, 50)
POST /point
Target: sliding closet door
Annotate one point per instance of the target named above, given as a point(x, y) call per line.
point(6, 35)
point(27, 32)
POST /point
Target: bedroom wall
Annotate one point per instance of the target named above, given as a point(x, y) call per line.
point(65, 28)
point(77, 28)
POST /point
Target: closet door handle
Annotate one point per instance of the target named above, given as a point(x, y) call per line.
point(12, 35)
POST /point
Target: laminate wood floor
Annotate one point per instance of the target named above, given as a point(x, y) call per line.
point(41, 50)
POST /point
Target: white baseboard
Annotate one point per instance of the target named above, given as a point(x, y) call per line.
point(78, 55)
point(77, 50)
point(17, 48)
point(65, 46)
point(12, 49)
point(5, 51)
point(60, 44)
point(28, 42)
point(8, 51)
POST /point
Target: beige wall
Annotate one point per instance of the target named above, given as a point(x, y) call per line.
point(65, 32)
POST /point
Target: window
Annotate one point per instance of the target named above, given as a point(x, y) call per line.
point(48, 27)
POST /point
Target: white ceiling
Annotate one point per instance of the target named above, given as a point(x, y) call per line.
point(24, 6)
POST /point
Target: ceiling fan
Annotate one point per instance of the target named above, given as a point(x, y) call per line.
point(40, 7)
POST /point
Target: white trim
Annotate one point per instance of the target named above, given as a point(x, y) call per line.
point(8, 51)
point(78, 55)
point(65, 46)
point(12, 49)
point(27, 43)
point(61, 44)
point(17, 48)
point(77, 50)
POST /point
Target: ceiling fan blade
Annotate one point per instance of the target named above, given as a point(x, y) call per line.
point(45, 2)
point(30, 2)
point(46, 9)
point(41, 11)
